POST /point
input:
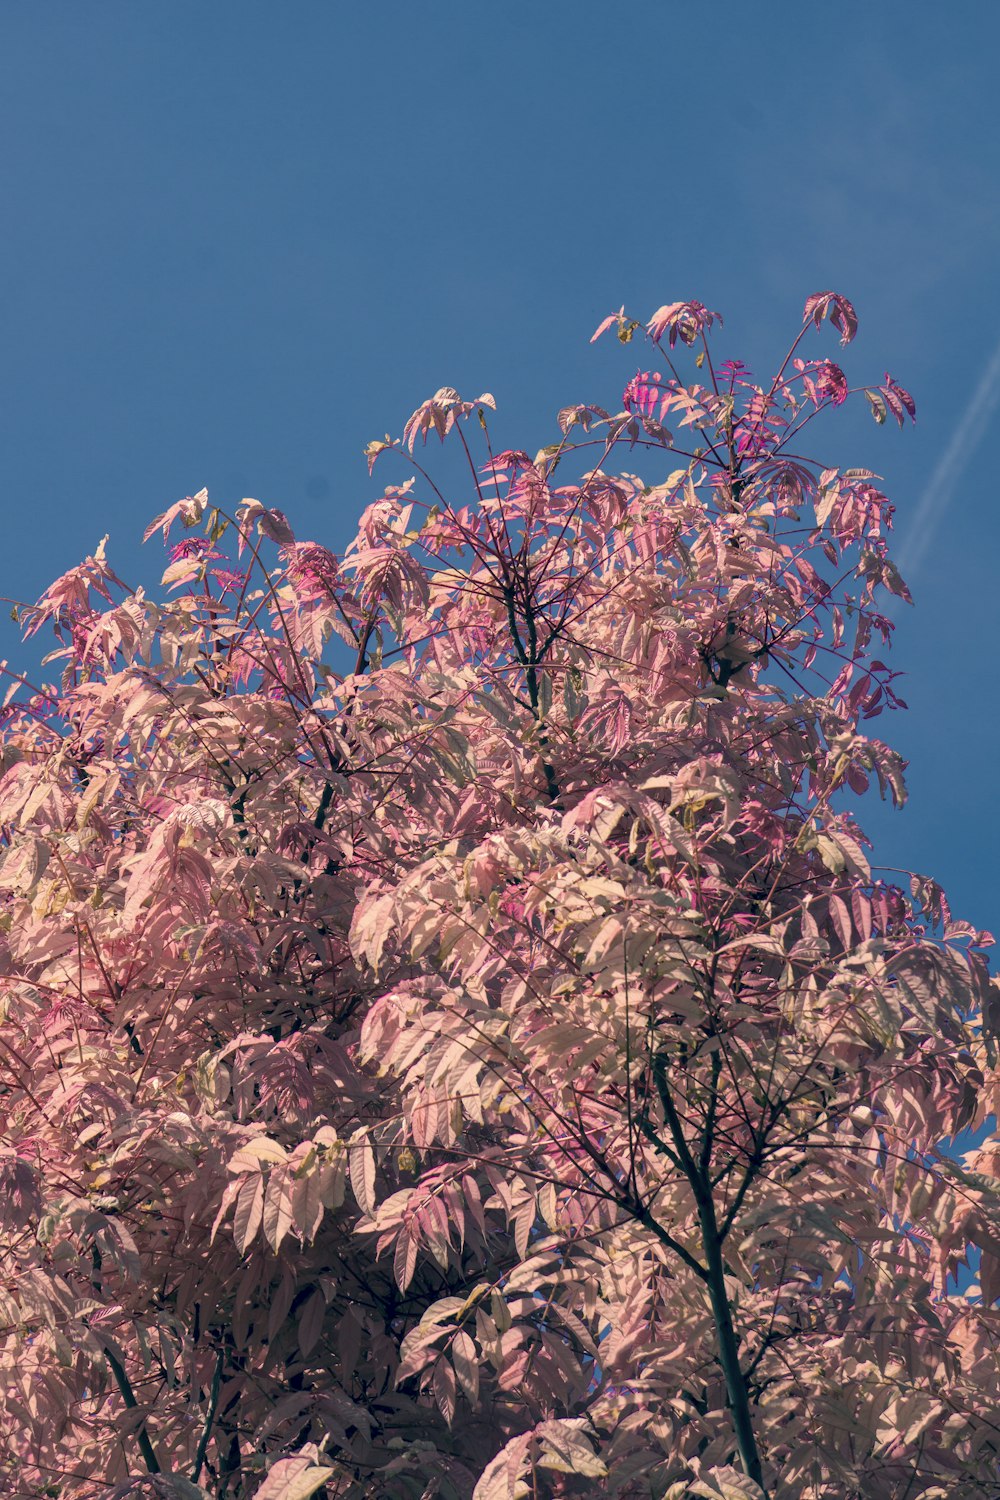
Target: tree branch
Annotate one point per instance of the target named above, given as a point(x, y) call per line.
point(213, 1401)
point(128, 1396)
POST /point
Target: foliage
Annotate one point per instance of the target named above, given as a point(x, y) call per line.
point(453, 1041)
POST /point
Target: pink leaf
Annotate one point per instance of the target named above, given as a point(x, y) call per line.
point(249, 1211)
point(293, 1479)
point(361, 1159)
point(404, 1260)
point(840, 312)
point(311, 1321)
point(277, 1214)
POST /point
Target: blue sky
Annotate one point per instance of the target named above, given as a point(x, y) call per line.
point(241, 239)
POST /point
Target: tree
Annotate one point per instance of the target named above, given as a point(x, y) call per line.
point(454, 1042)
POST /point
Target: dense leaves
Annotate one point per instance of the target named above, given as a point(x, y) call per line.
point(454, 1040)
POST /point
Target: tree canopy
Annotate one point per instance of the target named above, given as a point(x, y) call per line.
point(454, 1039)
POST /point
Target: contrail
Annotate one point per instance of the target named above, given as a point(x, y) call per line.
point(941, 486)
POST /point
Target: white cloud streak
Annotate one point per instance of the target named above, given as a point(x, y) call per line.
point(941, 487)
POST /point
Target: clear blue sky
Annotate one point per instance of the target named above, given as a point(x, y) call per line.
point(242, 238)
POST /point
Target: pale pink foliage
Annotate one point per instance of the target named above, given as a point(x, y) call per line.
point(486, 1064)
